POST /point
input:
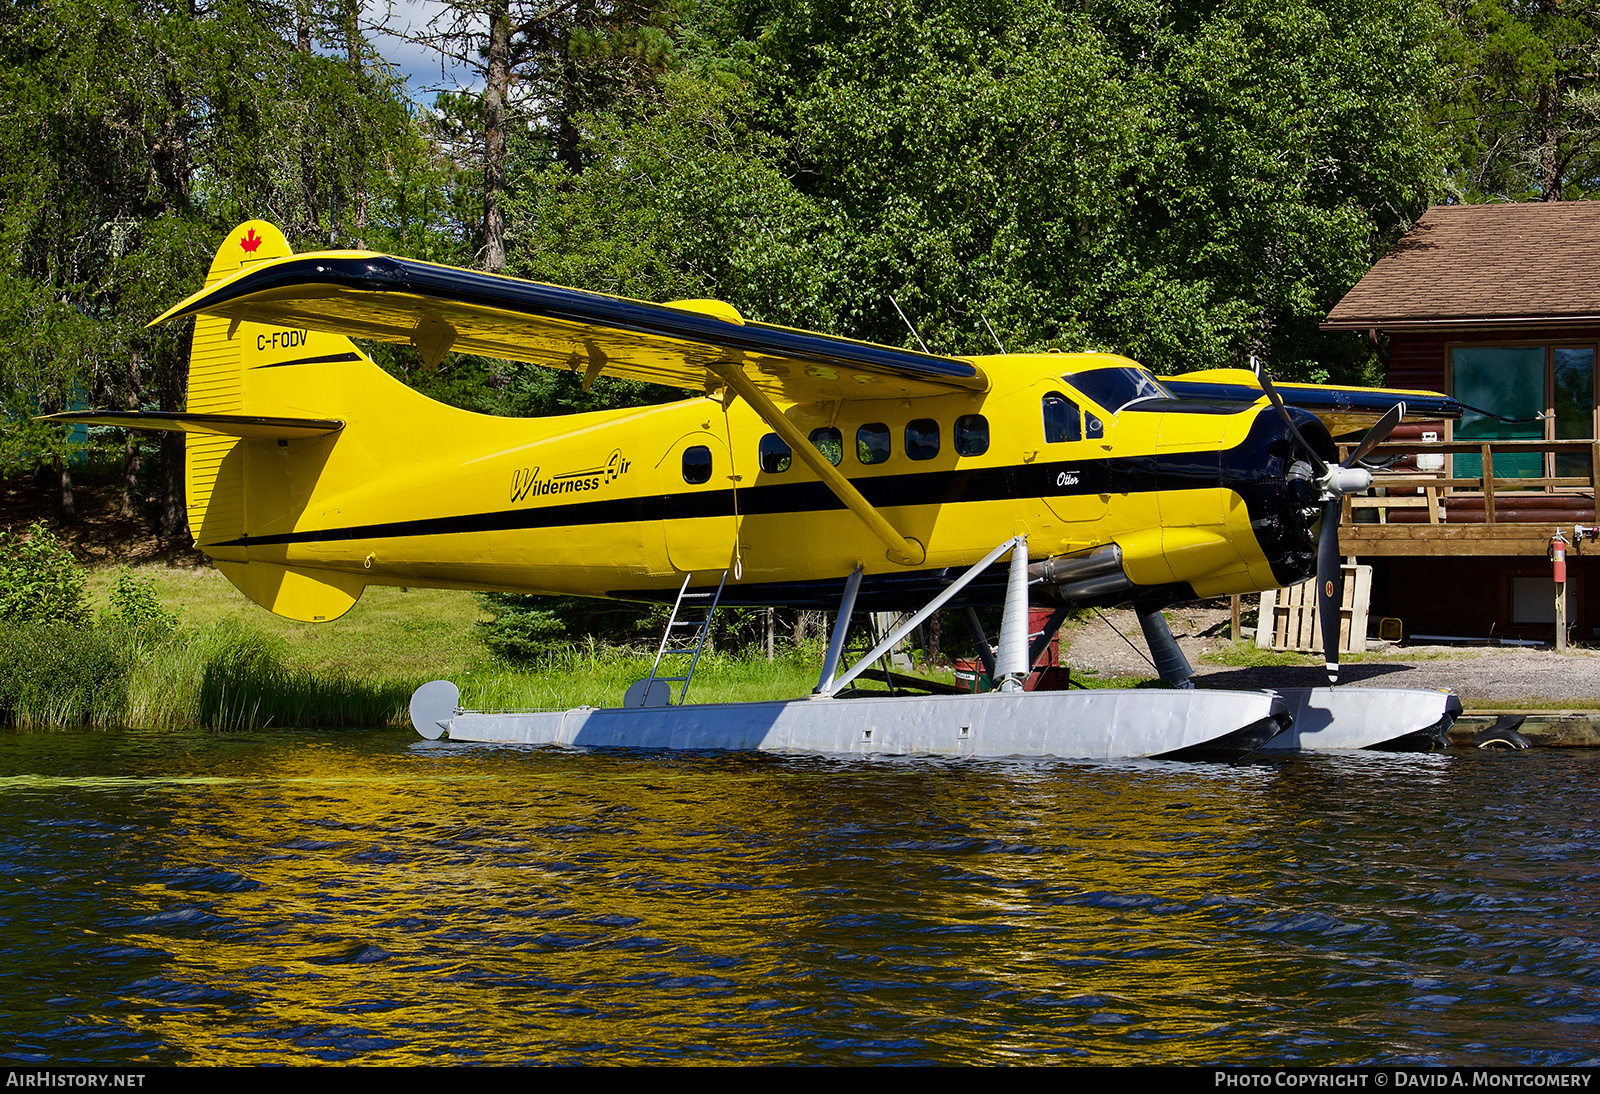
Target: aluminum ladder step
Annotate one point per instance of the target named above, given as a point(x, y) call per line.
point(691, 645)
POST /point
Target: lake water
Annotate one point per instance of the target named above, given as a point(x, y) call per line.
point(365, 896)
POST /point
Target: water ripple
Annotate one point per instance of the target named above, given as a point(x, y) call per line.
point(302, 897)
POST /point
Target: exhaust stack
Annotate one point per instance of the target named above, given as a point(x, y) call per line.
point(1082, 575)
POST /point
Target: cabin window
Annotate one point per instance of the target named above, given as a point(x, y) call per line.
point(1061, 421)
point(696, 464)
point(775, 455)
point(972, 435)
point(830, 442)
point(872, 443)
point(922, 439)
point(1094, 428)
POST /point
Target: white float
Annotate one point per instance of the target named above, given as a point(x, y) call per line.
point(1337, 718)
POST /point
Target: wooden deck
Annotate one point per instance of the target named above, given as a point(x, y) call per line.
point(1412, 513)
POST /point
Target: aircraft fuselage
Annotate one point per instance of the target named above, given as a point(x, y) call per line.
point(625, 502)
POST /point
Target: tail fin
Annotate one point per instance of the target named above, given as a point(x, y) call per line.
point(220, 486)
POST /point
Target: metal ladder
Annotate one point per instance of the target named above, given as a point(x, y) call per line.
point(687, 631)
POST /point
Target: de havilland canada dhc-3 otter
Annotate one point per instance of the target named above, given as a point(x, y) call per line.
point(814, 472)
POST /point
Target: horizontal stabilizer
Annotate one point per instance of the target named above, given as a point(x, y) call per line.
point(219, 425)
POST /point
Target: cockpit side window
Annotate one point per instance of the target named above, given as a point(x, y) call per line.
point(1115, 388)
point(1061, 420)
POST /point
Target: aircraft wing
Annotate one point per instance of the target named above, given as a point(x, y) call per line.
point(440, 309)
point(1342, 409)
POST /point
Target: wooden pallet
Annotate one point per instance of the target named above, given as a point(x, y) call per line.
point(1288, 617)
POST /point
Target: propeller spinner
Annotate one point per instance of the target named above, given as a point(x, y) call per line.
point(1333, 482)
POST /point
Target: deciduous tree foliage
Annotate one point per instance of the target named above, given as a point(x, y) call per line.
point(1524, 107)
point(1187, 184)
point(136, 133)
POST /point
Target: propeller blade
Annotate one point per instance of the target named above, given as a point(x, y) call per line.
point(1330, 587)
point(1283, 412)
point(1376, 435)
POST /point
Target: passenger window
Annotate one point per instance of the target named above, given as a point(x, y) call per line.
point(972, 435)
point(872, 443)
point(775, 455)
point(922, 439)
point(830, 442)
point(696, 464)
point(1061, 421)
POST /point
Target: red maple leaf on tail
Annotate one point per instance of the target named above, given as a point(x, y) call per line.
point(250, 241)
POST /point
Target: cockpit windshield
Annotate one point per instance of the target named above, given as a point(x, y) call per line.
point(1115, 388)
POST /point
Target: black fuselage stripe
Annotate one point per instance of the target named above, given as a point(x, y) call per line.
point(325, 359)
point(1076, 478)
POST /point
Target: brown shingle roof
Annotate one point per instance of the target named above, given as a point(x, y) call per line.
point(1479, 264)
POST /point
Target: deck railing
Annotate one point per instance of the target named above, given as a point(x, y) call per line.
point(1488, 484)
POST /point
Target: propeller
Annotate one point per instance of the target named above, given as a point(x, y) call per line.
point(1333, 482)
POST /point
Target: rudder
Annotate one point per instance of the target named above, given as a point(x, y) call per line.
point(216, 468)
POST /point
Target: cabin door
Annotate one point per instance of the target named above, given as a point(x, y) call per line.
point(1071, 471)
point(700, 520)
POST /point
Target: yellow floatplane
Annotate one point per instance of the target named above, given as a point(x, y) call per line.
point(811, 471)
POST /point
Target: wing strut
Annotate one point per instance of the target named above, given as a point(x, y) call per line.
point(902, 550)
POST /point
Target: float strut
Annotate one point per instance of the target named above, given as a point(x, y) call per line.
point(1171, 665)
point(1012, 664)
point(975, 631)
point(908, 625)
point(841, 626)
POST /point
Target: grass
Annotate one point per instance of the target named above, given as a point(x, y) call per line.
point(1089, 678)
point(233, 665)
point(1249, 655)
point(599, 677)
point(415, 633)
point(1524, 704)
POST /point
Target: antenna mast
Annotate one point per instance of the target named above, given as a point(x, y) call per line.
point(914, 333)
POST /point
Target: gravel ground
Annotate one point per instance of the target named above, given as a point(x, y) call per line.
point(1481, 676)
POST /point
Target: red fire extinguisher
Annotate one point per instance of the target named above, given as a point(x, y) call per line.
point(1558, 557)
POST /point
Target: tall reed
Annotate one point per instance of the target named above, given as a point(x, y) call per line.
point(54, 674)
point(224, 676)
point(228, 676)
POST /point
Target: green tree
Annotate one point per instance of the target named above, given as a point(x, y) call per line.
point(1188, 185)
point(543, 63)
point(1525, 109)
point(1293, 145)
point(135, 135)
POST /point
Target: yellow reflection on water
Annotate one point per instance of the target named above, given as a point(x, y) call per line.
point(413, 906)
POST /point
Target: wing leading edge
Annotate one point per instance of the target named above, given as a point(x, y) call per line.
point(1342, 409)
point(441, 309)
